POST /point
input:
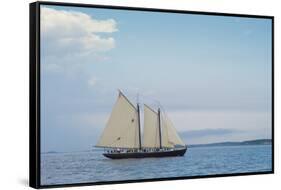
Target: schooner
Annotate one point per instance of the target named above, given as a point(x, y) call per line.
point(121, 137)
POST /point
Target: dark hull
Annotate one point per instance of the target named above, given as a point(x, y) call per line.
point(168, 153)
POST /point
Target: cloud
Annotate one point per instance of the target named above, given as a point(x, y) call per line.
point(74, 33)
point(92, 81)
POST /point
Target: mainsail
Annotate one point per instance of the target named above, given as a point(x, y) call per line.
point(151, 128)
point(122, 127)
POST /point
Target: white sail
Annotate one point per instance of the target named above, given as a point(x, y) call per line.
point(151, 128)
point(122, 127)
point(170, 137)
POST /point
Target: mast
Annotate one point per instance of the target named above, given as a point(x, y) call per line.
point(159, 123)
point(138, 110)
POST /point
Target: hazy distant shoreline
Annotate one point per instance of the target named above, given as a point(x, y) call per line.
point(241, 143)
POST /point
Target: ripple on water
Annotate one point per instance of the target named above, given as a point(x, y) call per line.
point(82, 167)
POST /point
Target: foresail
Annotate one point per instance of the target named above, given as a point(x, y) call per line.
point(170, 137)
point(151, 128)
point(121, 130)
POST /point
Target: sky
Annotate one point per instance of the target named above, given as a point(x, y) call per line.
point(212, 74)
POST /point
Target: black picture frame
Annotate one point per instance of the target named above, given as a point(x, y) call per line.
point(34, 91)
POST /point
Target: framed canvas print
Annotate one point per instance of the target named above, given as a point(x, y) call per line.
point(122, 94)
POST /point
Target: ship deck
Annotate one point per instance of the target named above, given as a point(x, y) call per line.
point(146, 154)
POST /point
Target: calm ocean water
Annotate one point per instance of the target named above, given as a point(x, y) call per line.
point(91, 166)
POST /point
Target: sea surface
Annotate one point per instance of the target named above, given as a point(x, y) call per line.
point(91, 166)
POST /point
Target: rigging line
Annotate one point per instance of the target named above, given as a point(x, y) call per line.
point(147, 96)
point(127, 99)
point(153, 99)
